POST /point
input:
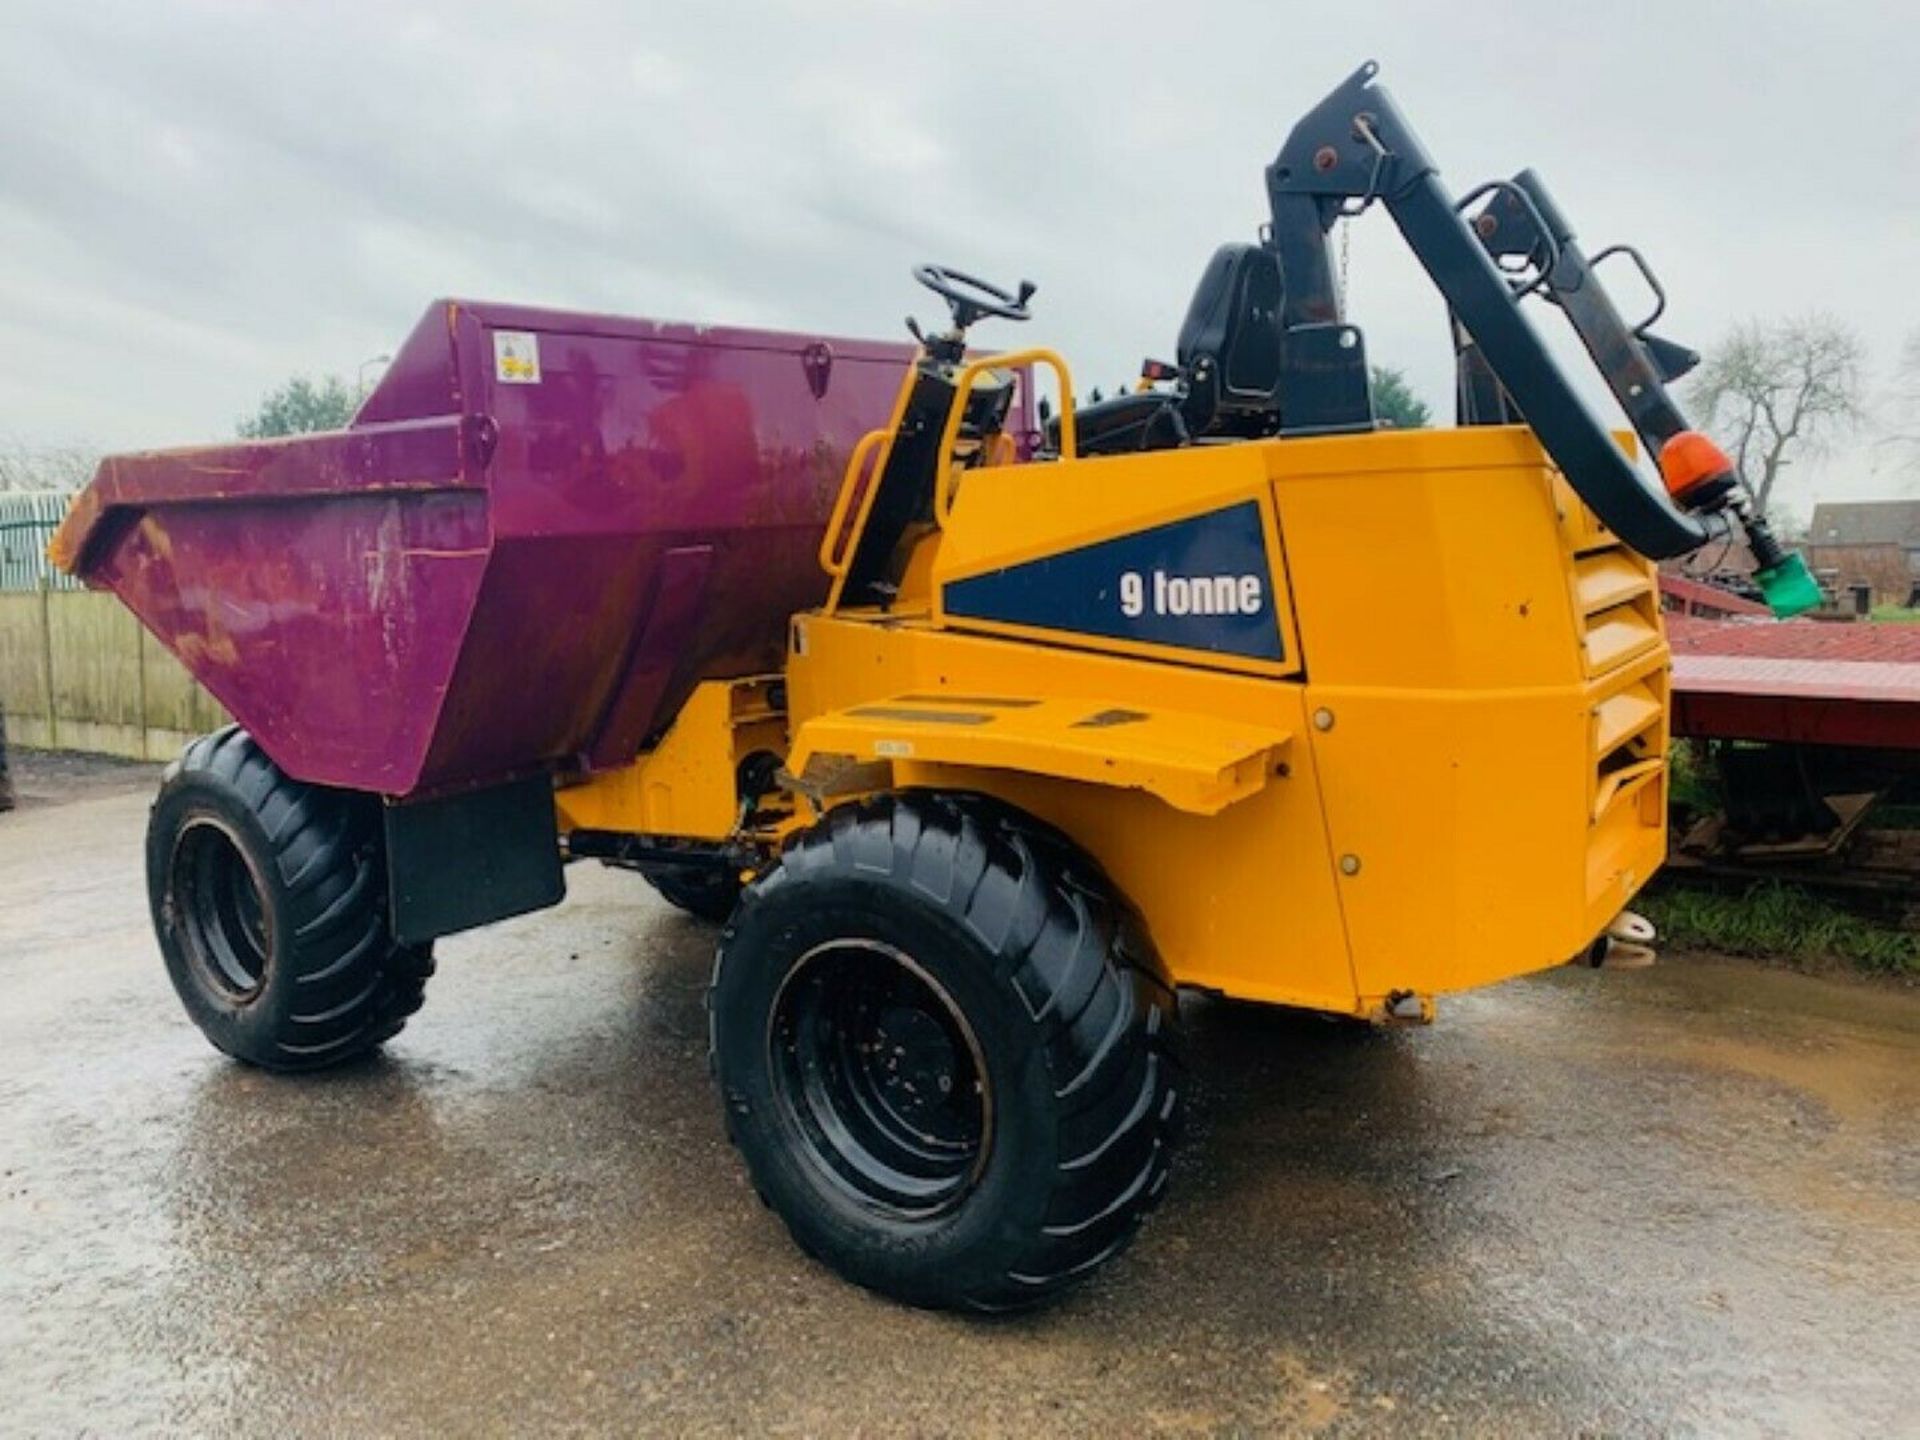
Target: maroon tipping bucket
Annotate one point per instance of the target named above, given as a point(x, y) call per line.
point(540, 531)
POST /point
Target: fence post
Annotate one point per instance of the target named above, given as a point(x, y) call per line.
point(7, 798)
point(46, 661)
point(140, 690)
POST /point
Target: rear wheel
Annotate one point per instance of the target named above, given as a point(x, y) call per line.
point(269, 901)
point(946, 1049)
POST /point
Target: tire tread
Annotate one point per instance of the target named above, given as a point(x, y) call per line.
point(353, 985)
point(1060, 933)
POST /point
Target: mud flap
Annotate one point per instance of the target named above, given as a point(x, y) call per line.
point(470, 859)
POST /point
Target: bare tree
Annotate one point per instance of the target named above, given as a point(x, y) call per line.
point(1903, 408)
point(1780, 388)
point(45, 467)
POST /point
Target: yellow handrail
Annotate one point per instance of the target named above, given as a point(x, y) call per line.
point(856, 467)
point(963, 387)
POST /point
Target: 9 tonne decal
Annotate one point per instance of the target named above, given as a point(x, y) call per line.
point(1202, 583)
point(1190, 594)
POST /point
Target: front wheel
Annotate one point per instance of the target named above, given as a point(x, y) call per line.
point(270, 903)
point(707, 893)
point(945, 1046)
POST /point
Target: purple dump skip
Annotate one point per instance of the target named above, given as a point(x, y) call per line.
point(537, 535)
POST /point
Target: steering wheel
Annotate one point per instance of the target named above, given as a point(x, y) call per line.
point(971, 298)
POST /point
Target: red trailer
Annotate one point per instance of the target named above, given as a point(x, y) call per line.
point(1810, 724)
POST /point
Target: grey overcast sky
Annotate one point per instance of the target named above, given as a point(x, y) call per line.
point(201, 197)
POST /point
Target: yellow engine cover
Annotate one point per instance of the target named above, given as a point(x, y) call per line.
point(1462, 675)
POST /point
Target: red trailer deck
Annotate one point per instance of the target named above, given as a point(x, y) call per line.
point(1803, 681)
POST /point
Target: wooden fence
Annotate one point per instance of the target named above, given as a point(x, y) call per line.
point(77, 672)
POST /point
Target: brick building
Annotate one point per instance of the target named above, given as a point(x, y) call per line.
point(1875, 543)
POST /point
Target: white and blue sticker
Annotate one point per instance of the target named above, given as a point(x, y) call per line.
point(1202, 583)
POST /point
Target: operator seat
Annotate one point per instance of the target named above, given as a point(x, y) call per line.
point(1230, 365)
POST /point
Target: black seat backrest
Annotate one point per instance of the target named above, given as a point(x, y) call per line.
point(1232, 362)
point(1230, 343)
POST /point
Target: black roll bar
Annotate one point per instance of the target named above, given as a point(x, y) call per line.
point(1354, 148)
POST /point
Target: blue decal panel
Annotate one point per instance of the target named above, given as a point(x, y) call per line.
point(1202, 583)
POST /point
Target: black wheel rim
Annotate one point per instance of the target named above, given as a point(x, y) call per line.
point(221, 911)
point(879, 1074)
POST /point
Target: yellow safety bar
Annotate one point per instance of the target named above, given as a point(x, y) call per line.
point(856, 466)
point(963, 385)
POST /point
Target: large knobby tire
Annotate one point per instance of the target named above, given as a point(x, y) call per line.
point(706, 892)
point(946, 1048)
point(269, 901)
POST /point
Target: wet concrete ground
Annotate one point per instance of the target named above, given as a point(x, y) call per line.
point(1679, 1200)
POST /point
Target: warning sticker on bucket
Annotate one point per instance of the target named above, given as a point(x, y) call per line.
point(516, 357)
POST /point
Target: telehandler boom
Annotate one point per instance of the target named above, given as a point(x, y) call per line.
point(1070, 717)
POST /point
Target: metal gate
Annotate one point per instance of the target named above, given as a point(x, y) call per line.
point(27, 523)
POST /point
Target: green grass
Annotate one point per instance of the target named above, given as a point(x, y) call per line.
point(1779, 922)
point(1895, 615)
point(1690, 777)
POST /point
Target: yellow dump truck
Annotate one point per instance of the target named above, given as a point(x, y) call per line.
point(1217, 684)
